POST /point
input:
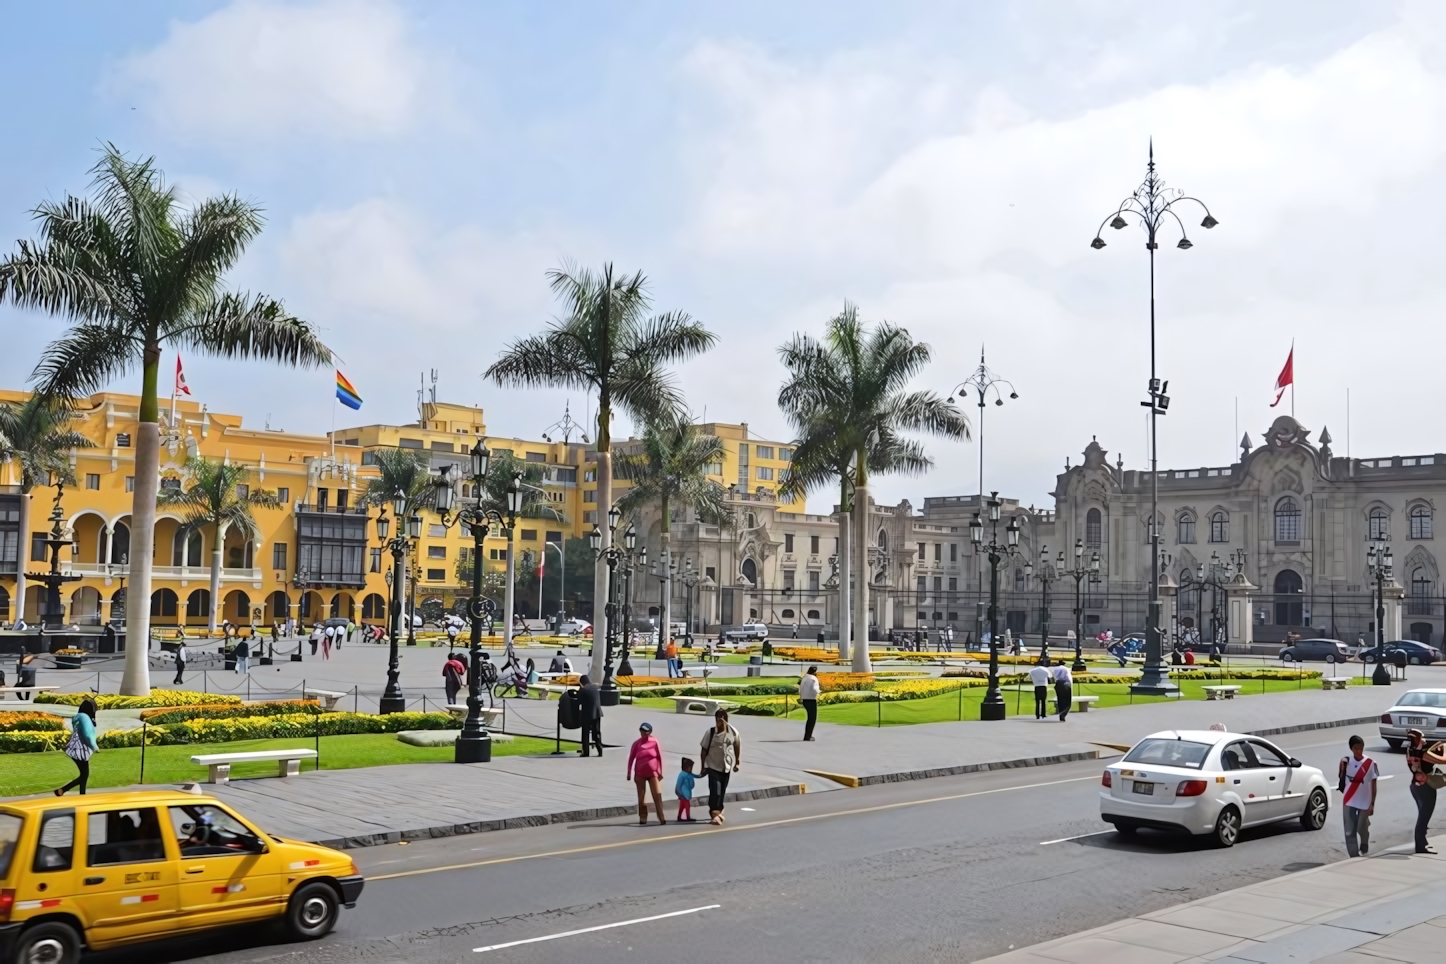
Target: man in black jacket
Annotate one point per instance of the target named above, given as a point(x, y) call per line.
point(590, 700)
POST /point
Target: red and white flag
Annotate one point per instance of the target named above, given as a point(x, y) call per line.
point(181, 387)
point(1286, 377)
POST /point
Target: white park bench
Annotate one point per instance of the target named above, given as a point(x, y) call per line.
point(327, 697)
point(1081, 703)
point(1220, 692)
point(701, 705)
point(25, 689)
point(288, 762)
point(490, 716)
point(1334, 682)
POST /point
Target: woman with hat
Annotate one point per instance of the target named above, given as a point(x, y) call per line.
point(1422, 761)
point(645, 769)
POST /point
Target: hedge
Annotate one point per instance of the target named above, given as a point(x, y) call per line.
point(15, 722)
point(275, 727)
point(222, 711)
point(33, 742)
point(114, 701)
point(910, 690)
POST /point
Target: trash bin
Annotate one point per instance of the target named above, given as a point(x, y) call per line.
point(569, 710)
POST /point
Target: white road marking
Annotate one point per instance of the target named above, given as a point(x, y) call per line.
point(589, 930)
point(1080, 836)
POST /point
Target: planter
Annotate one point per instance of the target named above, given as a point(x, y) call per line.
point(68, 662)
point(265, 661)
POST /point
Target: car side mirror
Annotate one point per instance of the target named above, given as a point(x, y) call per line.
point(1295, 763)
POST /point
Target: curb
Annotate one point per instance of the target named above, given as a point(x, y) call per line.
point(1035, 761)
point(1329, 725)
point(532, 820)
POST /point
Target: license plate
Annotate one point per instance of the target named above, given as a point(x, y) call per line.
point(1148, 789)
point(1414, 720)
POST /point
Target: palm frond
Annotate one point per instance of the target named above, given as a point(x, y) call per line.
point(85, 361)
point(241, 326)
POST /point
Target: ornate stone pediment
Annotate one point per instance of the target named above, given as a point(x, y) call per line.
point(1285, 433)
point(1286, 480)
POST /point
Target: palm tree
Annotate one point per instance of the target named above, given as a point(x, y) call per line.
point(492, 494)
point(134, 273)
point(606, 343)
point(671, 471)
point(852, 385)
point(35, 437)
point(405, 471)
point(213, 503)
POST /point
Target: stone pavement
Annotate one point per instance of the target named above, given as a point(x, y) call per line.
point(1367, 910)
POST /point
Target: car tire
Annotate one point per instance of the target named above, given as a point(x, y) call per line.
point(1330, 657)
point(1285, 656)
point(1317, 808)
point(312, 911)
point(1395, 745)
point(1227, 827)
point(49, 943)
point(1368, 658)
point(1415, 661)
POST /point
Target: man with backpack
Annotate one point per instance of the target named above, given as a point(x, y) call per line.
point(1358, 775)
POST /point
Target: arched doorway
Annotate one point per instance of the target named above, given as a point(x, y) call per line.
point(198, 607)
point(34, 600)
point(118, 607)
point(278, 607)
point(312, 607)
point(85, 606)
point(374, 607)
point(750, 571)
point(1289, 602)
point(164, 603)
point(186, 549)
point(342, 606)
point(237, 608)
point(120, 544)
point(4, 604)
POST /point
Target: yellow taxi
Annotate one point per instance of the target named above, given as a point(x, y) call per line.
point(107, 869)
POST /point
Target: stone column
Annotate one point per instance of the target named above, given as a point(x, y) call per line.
point(1393, 594)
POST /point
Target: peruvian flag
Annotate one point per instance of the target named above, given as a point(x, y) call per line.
point(541, 562)
point(181, 387)
point(1286, 378)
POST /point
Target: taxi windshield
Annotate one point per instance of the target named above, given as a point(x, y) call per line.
point(9, 836)
point(1423, 699)
point(1169, 753)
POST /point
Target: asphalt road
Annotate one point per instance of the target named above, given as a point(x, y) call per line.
point(949, 869)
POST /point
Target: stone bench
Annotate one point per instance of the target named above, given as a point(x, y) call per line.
point(490, 716)
point(288, 762)
point(1334, 682)
point(1081, 703)
point(701, 705)
point(25, 689)
point(327, 697)
point(1220, 692)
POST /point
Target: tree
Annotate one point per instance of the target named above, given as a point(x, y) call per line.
point(848, 394)
point(36, 438)
point(405, 471)
point(671, 472)
point(213, 503)
point(135, 273)
point(606, 343)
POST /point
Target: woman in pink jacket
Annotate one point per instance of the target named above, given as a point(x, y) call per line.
point(645, 768)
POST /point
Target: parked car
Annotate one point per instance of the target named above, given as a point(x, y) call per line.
point(1417, 654)
point(575, 627)
point(108, 869)
point(1423, 710)
point(746, 633)
point(1210, 782)
point(1327, 650)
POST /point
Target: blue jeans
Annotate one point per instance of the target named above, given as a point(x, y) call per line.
point(1358, 830)
point(242, 664)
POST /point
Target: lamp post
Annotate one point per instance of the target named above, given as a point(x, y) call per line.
point(689, 580)
point(1078, 573)
point(1152, 206)
point(993, 707)
point(1379, 565)
point(614, 558)
point(392, 700)
point(625, 666)
point(1047, 575)
point(474, 744)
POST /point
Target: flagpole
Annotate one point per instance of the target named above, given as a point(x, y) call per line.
point(1292, 378)
point(174, 380)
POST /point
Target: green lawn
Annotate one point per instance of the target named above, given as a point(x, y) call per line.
point(25, 773)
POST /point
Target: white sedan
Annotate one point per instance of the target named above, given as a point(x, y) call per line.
point(1210, 782)
point(1423, 710)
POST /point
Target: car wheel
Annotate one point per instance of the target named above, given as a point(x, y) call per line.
point(48, 943)
point(1395, 744)
point(1227, 827)
point(1415, 661)
point(1330, 657)
point(1368, 658)
point(1316, 808)
point(1285, 656)
point(312, 911)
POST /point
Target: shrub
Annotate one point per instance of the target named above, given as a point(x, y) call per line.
point(221, 711)
point(32, 742)
point(837, 682)
point(227, 730)
point(114, 701)
point(28, 722)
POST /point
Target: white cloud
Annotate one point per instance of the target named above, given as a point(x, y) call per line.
point(260, 69)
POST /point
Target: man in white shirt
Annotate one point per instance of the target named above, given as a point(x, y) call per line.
point(1040, 677)
point(181, 657)
point(1358, 775)
point(1063, 689)
point(808, 690)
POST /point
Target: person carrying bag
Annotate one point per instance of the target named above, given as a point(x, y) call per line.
point(81, 745)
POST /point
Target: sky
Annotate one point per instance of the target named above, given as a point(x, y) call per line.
point(944, 166)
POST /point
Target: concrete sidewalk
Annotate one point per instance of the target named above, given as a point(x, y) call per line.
point(1367, 910)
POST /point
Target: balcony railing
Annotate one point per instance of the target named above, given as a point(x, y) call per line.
point(333, 509)
point(186, 573)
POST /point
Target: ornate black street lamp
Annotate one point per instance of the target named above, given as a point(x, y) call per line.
point(474, 745)
point(392, 700)
point(689, 579)
point(1379, 565)
point(625, 666)
point(1078, 573)
point(1047, 575)
point(993, 707)
point(1152, 206)
point(614, 558)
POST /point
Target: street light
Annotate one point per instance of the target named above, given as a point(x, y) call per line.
point(392, 700)
point(1379, 565)
point(474, 744)
point(615, 558)
point(690, 579)
point(1080, 570)
point(1047, 575)
point(993, 707)
point(630, 542)
point(1153, 205)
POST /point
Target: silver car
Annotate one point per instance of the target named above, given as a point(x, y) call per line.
point(1423, 710)
point(1210, 782)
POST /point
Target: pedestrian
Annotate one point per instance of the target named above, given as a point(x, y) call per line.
point(453, 672)
point(558, 664)
point(1040, 677)
point(949, 639)
point(590, 701)
point(327, 635)
point(795, 629)
point(275, 635)
point(683, 788)
point(1358, 775)
point(1063, 689)
point(722, 752)
point(451, 632)
point(81, 745)
point(243, 655)
point(315, 637)
point(24, 676)
point(181, 657)
point(645, 769)
point(808, 690)
point(675, 665)
point(1422, 760)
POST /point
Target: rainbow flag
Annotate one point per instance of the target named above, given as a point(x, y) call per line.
point(345, 393)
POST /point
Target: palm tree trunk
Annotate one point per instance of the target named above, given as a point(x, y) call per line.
point(136, 680)
point(22, 554)
point(861, 662)
point(600, 569)
point(215, 581)
point(844, 595)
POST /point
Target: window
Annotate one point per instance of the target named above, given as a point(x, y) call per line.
point(1219, 527)
point(1092, 527)
point(529, 535)
point(1420, 522)
point(589, 518)
point(554, 536)
point(921, 585)
point(130, 483)
point(124, 837)
point(323, 499)
point(341, 499)
point(938, 583)
point(92, 480)
point(1185, 529)
point(409, 443)
point(590, 475)
point(1287, 521)
point(283, 495)
point(938, 552)
point(788, 542)
point(590, 495)
point(497, 555)
point(56, 847)
point(953, 584)
point(243, 491)
point(436, 531)
point(436, 575)
point(788, 577)
point(376, 563)
point(171, 484)
point(278, 556)
point(37, 547)
point(186, 548)
point(785, 455)
point(953, 552)
point(443, 447)
point(710, 572)
point(1380, 525)
point(813, 580)
point(163, 603)
point(1189, 593)
point(208, 831)
point(787, 614)
point(436, 552)
point(1019, 580)
point(713, 468)
point(123, 440)
point(923, 554)
point(1420, 602)
point(537, 456)
point(764, 451)
point(765, 474)
point(813, 545)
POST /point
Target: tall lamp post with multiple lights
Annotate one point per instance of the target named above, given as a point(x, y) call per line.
point(474, 744)
point(392, 700)
point(1152, 206)
point(1078, 573)
point(614, 557)
point(1379, 565)
point(625, 666)
point(1047, 575)
point(993, 706)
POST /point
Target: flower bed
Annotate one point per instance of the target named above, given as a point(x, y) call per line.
point(32, 742)
point(222, 711)
point(24, 721)
point(806, 654)
point(273, 727)
point(885, 693)
point(114, 701)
